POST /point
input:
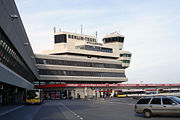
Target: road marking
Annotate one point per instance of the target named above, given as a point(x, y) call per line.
point(124, 103)
point(75, 114)
point(13, 109)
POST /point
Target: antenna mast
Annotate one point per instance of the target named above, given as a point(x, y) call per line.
point(96, 33)
point(81, 29)
point(54, 29)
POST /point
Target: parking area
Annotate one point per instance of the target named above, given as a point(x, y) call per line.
point(115, 109)
point(109, 109)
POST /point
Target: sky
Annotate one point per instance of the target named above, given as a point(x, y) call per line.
point(151, 29)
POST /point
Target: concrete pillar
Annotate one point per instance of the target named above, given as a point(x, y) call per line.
point(112, 94)
point(73, 94)
point(94, 93)
point(85, 92)
point(67, 93)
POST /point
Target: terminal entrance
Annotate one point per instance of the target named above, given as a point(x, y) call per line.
point(56, 94)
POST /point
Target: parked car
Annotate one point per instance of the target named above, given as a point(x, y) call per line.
point(156, 105)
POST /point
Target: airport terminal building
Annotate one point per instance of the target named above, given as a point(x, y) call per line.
point(80, 59)
point(17, 61)
point(77, 67)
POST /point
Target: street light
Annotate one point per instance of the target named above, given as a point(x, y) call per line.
point(14, 16)
point(26, 43)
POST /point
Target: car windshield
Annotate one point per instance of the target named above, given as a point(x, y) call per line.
point(176, 99)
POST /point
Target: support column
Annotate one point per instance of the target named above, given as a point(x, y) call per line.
point(72, 94)
point(112, 94)
point(85, 92)
point(67, 93)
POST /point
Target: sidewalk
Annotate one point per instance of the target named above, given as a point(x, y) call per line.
point(9, 108)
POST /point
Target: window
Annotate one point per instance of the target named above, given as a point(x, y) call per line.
point(52, 82)
point(10, 57)
point(36, 82)
point(69, 36)
point(80, 73)
point(125, 55)
point(114, 39)
point(95, 48)
point(76, 63)
point(42, 83)
point(156, 101)
point(167, 101)
point(125, 61)
point(144, 101)
point(44, 62)
point(64, 73)
point(176, 99)
point(60, 38)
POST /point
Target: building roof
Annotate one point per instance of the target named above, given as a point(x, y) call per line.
point(114, 34)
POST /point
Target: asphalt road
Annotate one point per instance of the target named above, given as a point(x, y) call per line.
point(109, 109)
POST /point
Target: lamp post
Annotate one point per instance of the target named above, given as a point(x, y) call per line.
point(14, 16)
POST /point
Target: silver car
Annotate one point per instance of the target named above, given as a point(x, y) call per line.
point(156, 105)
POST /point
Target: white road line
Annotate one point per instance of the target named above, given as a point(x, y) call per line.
point(78, 116)
point(13, 109)
point(118, 103)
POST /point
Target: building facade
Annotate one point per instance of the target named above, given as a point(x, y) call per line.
point(17, 61)
point(80, 59)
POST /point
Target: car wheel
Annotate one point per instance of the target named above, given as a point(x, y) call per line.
point(147, 113)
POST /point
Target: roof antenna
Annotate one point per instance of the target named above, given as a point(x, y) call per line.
point(54, 29)
point(81, 29)
point(96, 33)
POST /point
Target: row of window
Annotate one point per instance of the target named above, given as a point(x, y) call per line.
point(125, 61)
point(47, 83)
point(77, 63)
point(80, 73)
point(125, 55)
point(114, 39)
point(81, 38)
point(74, 82)
point(94, 48)
point(95, 43)
point(10, 57)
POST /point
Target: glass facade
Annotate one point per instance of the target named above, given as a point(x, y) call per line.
point(11, 58)
point(86, 55)
point(77, 63)
point(125, 55)
point(60, 38)
point(125, 61)
point(80, 73)
point(95, 48)
point(114, 39)
point(72, 82)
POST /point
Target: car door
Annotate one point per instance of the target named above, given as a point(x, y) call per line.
point(156, 106)
point(169, 106)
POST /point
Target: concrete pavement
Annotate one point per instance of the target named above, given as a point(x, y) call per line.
point(109, 109)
